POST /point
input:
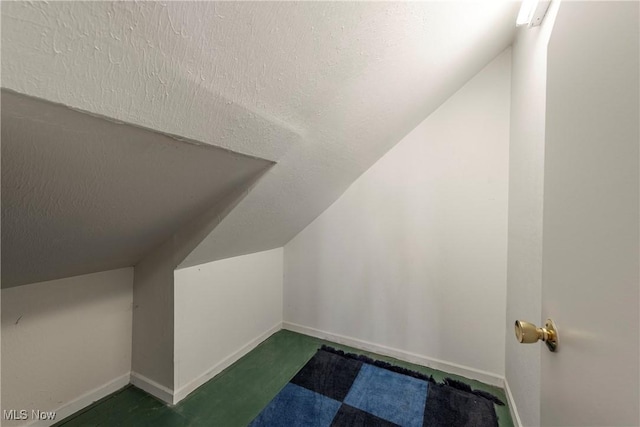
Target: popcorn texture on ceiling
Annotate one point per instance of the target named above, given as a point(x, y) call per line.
point(322, 88)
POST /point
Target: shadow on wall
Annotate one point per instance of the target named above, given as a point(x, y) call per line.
point(36, 302)
point(82, 194)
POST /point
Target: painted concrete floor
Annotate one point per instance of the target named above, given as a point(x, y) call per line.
point(239, 393)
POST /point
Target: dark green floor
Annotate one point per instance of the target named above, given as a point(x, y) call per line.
point(239, 393)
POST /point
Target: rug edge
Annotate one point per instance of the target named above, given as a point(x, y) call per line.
point(415, 374)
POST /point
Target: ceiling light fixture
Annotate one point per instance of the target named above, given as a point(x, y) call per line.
point(532, 12)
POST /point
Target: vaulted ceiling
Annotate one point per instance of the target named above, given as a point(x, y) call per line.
point(322, 89)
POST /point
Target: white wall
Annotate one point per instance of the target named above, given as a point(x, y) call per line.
point(223, 309)
point(66, 342)
point(526, 181)
point(413, 255)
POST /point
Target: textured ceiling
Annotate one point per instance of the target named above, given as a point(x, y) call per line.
point(81, 194)
point(324, 89)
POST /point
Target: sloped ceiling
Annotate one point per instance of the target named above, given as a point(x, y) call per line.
point(81, 194)
point(323, 89)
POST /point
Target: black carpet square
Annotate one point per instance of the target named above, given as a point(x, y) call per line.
point(348, 416)
point(449, 407)
point(328, 374)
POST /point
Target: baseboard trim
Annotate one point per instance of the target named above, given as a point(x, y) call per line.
point(153, 388)
point(192, 385)
point(453, 368)
point(517, 422)
point(85, 400)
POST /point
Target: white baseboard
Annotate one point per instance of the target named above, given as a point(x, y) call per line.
point(453, 368)
point(163, 393)
point(159, 391)
point(517, 422)
point(85, 400)
point(185, 390)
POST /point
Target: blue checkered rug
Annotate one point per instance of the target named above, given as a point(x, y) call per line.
point(340, 389)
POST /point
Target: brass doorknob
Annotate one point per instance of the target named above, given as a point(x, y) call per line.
point(527, 333)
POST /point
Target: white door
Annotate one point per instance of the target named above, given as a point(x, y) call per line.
point(591, 216)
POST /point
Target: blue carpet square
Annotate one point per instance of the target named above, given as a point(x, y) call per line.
point(328, 374)
point(348, 416)
point(297, 406)
point(388, 395)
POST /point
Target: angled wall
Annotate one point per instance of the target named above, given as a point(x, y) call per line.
point(83, 194)
point(412, 257)
point(153, 296)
